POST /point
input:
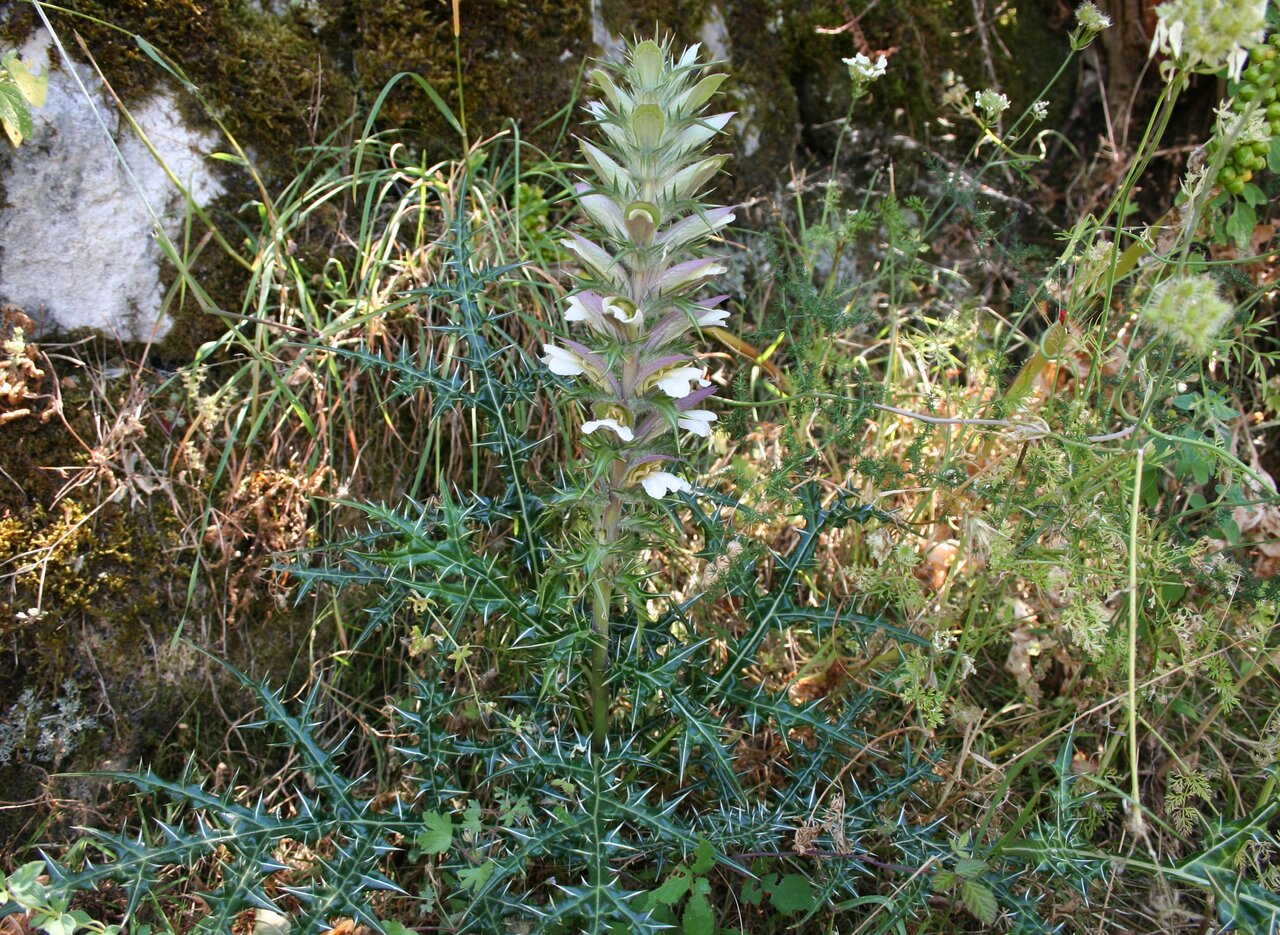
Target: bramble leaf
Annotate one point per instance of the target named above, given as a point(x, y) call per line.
point(980, 901)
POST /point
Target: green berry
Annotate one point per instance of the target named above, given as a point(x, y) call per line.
point(1247, 92)
point(1252, 74)
point(1236, 186)
point(1258, 53)
point(1227, 175)
point(1273, 110)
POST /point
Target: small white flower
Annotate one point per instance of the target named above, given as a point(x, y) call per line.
point(1039, 110)
point(677, 381)
point(956, 91)
point(622, 431)
point(660, 483)
point(712, 317)
point(1091, 18)
point(991, 103)
point(697, 421)
point(562, 362)
point(862, 69)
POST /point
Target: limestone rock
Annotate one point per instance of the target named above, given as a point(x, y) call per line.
point(84, 198)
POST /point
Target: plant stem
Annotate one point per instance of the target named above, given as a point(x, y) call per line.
point(601, 605)
point(457, 59)
point(602, 593)
point(1133, 638)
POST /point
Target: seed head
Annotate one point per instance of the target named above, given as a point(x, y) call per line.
point(1189, 310)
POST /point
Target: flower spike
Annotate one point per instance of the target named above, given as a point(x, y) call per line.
point(644, 264)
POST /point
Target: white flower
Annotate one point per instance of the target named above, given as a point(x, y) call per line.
point(660, 483)
point(576, 311)
point(1208, 34)
point(1245, 128)
point(991, 103)
point(862, 69)
point(563, 362)
point(1091, 18)
point(1039, 110)
point(618, 308)
point(712, 317)
point(684, 277)
point(622, 431)
point(956, 91)
point(697, 421)
point(677, 381)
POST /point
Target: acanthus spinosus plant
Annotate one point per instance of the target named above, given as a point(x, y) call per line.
point(636, 305)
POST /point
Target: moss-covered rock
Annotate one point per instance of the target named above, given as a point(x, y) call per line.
point(519, 59)
point(269, 79)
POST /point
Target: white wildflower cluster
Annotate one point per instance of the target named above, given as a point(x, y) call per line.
point(861, 68)
point(1091, 19)
point(991, 103)
point(1092, 266)
point(637, 296)
point(1208, 35)
point(955, 93)
point(863, 71)
point(1244, 128)
point(1189, 310)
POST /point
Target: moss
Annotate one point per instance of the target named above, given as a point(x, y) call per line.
point(93, 575)
point(109, 575)
point(270, 80)
point(682, 18)
point(520, 60)
point(923, 40)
